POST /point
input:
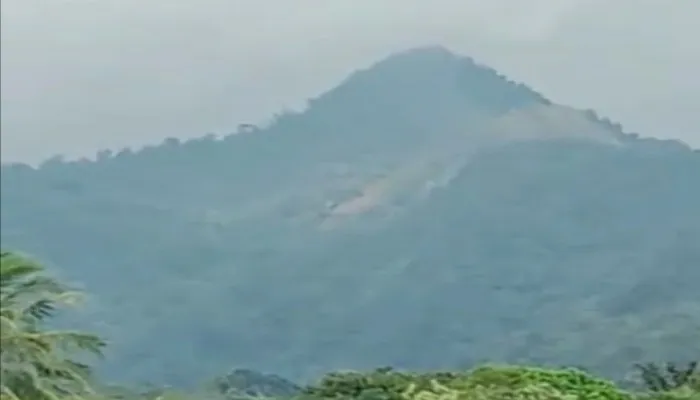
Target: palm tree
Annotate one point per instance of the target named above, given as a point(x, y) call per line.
point(36, 363)
point(669, 376)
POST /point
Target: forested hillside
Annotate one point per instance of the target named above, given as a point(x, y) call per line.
point(40, 363)
point(427, 213)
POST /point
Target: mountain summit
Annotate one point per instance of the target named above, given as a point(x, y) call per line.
point(425, 91)
point(425, 213)
point(430, 82)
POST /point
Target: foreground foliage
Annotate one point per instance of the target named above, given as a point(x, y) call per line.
point(483, 383)
point(488, 382)
point(37, 363)
point(670, 376)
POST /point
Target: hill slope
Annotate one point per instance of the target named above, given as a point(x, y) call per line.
point(425, 213)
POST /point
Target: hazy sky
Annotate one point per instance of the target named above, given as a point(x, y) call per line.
point(81, 75)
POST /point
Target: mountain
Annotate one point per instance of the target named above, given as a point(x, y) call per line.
point(425, 213)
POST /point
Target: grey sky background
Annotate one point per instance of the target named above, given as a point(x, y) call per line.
point(83, 75)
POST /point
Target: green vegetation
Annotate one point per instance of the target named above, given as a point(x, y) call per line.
point(37, 364)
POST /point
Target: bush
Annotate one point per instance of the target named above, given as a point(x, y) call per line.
point(491, 382)
point(567, 381)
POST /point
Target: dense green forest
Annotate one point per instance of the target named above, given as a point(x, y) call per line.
point(427, 214)
point(42, 364)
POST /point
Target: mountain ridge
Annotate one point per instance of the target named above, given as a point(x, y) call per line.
point(435, 60)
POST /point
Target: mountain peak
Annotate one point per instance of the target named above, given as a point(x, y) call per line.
point(431, 82)
point(438, 56)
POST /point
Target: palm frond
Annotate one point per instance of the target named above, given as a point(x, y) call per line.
point(14, 267)
point(36, 363)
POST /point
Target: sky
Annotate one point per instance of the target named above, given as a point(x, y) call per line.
point(78, 76)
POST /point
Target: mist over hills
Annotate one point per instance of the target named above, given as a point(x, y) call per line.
point(425, 213)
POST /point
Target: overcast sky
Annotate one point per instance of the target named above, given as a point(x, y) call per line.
point(81, 75)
